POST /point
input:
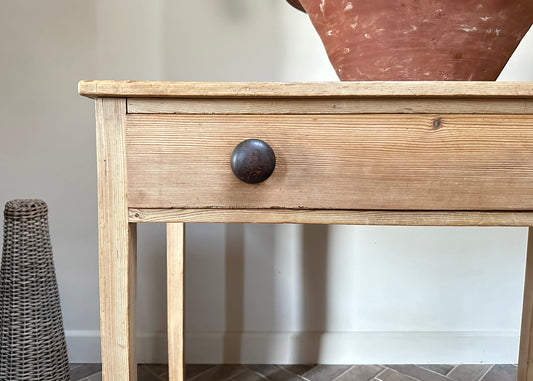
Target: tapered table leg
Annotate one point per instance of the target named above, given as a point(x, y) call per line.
point(525, 358)
point(175, 296)
point(117, 245)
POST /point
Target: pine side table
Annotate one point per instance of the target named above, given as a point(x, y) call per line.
point(389, 153)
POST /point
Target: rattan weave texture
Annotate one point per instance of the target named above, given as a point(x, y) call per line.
point(32, 340)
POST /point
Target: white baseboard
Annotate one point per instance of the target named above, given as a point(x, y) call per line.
point(311, 347)
point(84, 347)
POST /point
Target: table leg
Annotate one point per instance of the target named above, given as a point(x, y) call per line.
point(117, 240)
point(525, 357)
point(175, 297)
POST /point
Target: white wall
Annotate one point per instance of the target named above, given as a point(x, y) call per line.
point(255, 293)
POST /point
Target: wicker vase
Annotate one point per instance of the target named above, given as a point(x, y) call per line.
point(32, 340)
point(431, 40)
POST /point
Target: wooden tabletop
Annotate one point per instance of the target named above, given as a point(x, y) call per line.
point(159, 89)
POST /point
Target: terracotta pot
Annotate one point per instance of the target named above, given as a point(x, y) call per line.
point(448, 40)
point(296, 4)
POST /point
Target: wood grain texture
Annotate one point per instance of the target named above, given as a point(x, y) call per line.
point(117, 245)
point(329, 106)
point(175, 301)
point(157, 89)
point(525, 355)
point(338, 217)
point(359, 162)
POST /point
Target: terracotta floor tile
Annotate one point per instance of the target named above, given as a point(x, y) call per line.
point(443, 369)
point(298, 369)
point(438, 372)
point(501, 373)
point(273, 372)
point(360, 373)
point(195, 369)
point(81, 371)
point(325, 372)
point(145, 374)
point(418, 373)
point(95, 377)
point(158, 369)
point(469, 372)
point(391, 375)
point(248, 375)
point(219, 372)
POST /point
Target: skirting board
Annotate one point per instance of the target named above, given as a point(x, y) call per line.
point(311, 347)
point(84, 347)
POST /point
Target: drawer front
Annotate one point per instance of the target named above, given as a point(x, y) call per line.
point(361, 162)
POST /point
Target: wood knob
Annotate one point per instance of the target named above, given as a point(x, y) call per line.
point(253, 161)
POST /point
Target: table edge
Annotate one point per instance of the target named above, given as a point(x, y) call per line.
point(415, 89)
point(334, 217)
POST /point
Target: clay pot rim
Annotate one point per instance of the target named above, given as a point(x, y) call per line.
point(296, 4)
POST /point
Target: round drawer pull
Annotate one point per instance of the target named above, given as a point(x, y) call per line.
point(253, 161)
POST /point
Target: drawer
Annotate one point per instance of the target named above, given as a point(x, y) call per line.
point(327, 161)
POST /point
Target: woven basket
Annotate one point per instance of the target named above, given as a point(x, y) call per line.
point(32, 340)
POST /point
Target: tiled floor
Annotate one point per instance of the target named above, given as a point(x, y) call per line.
point(483, 372)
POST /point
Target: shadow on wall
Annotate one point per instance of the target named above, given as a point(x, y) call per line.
point(234, 292)
point(313, 295)
point(314, 275)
